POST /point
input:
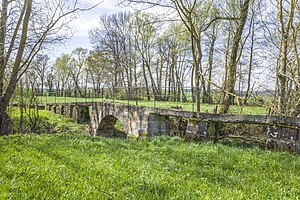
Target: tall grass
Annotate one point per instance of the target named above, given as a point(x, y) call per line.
point(47, 122)
point(73, 166)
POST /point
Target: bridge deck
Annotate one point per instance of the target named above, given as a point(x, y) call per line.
point(291, 122)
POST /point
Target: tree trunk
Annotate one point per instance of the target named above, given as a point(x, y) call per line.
point(284, 31)
point(146, 82)
point(3, 22)
point(4, 100)
point(231, 75)
point(248, 92)
point(210, 63)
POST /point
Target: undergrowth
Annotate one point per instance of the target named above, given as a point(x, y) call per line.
point(47, 122)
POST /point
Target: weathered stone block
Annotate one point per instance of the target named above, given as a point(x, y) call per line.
point(80, 114)
point(158, 125)
point(196, 131)
point(281, 138)
point(62, 109)
point(177, 126)
point(69, 110)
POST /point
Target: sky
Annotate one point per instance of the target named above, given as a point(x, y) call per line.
point(86, 21)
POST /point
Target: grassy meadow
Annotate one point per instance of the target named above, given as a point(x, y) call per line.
point(70, 165)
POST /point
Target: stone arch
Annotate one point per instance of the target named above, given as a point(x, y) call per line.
point(107, 127)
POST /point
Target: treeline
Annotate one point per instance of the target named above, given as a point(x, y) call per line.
point(236, 47)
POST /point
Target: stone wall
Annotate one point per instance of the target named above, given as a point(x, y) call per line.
point(283, 132)
point(283, 138)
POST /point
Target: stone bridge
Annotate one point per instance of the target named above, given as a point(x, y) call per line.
point(282, 132)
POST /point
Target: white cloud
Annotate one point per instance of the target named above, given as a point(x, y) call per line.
point(90, 19)
point(86, 21)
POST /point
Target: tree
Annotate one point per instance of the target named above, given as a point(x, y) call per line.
point(232, 64)
point(198, 17)
point(76, 67)
point(145, 32)
point(281, 46)
point(98, 70)
point(212, 36)
point(62, 74)
point(286, 20)
point(253, 28)
point(23, 33)
point(114, 39)
point(40, 65)
point(172, 68)
point(50, 79)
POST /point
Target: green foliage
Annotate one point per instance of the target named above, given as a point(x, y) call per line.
point(73, 166)
point(119, 130)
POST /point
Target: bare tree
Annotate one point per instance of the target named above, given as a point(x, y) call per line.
point(76, 67)
point(286, 20)
point(40, 65)
point(26, 26)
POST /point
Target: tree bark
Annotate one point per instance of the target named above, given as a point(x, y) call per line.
point(231, 75)
point(4, 101)
point(284, 31)
point(248, 91)
point(3, 22)
point(210, 63)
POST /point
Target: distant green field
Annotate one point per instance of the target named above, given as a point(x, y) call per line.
point(257, 110)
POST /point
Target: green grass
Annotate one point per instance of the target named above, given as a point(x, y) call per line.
point(74, 166)
point(47, 122)
point(254, 110)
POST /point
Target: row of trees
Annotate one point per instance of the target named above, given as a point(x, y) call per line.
point(140, 53)
point(68, 75)
point(240, 37)
point(225, 45)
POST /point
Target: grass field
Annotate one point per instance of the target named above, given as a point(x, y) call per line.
point(74, 166)
point(257, 110)
point(68, 166)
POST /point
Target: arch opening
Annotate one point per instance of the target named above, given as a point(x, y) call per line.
point(111, 126)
